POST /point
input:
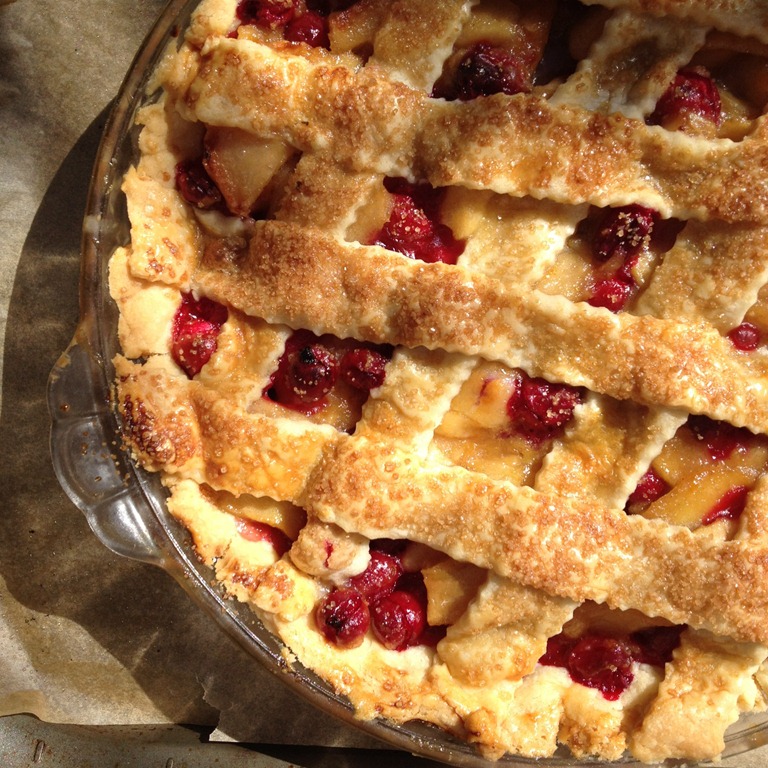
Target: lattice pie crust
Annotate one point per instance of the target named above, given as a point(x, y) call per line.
point(518, 536)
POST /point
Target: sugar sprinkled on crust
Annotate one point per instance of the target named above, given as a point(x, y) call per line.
point(512, 559)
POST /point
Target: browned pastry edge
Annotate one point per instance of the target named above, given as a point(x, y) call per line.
point(178, 425)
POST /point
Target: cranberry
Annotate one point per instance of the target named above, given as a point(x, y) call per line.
point(394, 602)
point(728, 507)
point(604, 663)
point(194, 336)
point(558, 651)
point(414, 228)
point(398, 620)
point(379, 578)
point(253, 530)
point(720, 438)
point(538, 409)
point(623, 232)
point(196, 186)
point(654, 645)
point(487, 69)
point(745, 337)
point(692, 92)
point(343, 617)
point(268, 14)
point(597, 661)
point(611, 293)
point(305, 374)
point(650, 487)
point(310, 28)
point(363, 369)
point(620, 236)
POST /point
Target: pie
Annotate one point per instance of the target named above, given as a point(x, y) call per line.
point(445, 325)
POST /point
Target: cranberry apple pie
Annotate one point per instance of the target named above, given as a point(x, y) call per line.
point(446, 325)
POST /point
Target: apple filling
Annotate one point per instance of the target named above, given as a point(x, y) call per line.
point(503, 422)
point(236, 173)
point(702, 475)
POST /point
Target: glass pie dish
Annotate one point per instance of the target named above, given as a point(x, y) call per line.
point(125, 505)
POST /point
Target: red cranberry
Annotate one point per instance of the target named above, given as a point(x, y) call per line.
point(196, 186)
point(310, 28)
point(487, 69)
point(194, 336)
point(692, 92)
point(650, 487)
point(379, 578)
point(720, 438)
point(745, 337)
point(604, 663)
point(597, 661)
point(305, 374)
point(729, 507)
point(343, 617)
point(414, 228)
point(654, 645)
point(253, 530)
point(558, 651)
point(623, 232)
point(612, 293)
point(398, 620)
point(538, 409)
point(620, 235)
point(268, 14)
point(363, 369)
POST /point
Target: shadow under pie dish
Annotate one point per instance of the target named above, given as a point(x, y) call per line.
point(442, 325)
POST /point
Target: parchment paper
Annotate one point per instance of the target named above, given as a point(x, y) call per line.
point(85, 636)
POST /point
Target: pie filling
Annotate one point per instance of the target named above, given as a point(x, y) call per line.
point(445, 325)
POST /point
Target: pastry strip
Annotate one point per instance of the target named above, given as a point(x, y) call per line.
point(746, 17)
point(518, 145)
point(306, 279)
point(567, 547)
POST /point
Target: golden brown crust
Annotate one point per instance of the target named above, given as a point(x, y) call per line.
point(187, 429)
point(518, 540)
